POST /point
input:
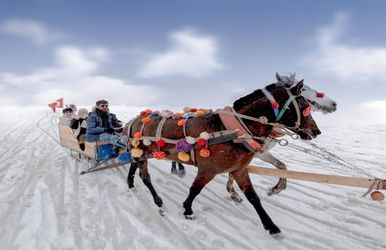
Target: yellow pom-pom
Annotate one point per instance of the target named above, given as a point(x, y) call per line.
point(183, 156)
point(135, 143)
point(138, 135)
point(146, 120)
point(136, 152)
point(200, 113)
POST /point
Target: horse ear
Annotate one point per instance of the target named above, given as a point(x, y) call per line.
point(293, 76)
point(278, 77)
point(297, 89)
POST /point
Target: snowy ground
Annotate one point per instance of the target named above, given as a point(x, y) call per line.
point(46, 204)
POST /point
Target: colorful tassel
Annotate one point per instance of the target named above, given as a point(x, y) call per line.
point(159, 155)
point(204, 153)
point(183, 146)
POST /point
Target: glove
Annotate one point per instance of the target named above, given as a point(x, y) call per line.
point(110, 130)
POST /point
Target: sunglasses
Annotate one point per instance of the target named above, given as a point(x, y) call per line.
point(104, 105)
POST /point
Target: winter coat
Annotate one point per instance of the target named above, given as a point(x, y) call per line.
point(80, 126)
point(96, 125)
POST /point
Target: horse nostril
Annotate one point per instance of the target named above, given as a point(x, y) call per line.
point(334, 104)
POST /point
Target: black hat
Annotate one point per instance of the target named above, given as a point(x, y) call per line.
point(67, 110)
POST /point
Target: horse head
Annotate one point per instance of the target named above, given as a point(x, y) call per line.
point(318, 100)
point(283, 105)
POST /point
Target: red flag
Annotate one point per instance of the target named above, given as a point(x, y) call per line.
point(52, 106)
point(59, 103)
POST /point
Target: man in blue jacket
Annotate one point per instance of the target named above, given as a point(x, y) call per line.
point(101, 123)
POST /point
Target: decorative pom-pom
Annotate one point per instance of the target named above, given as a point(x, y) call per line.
point(320, 95)
point(138, 135)
point(142, 113)
point(136, 152)
point(183, 156)
point(146, 120)
point(166, 113)
point(160, 143)
point(377, 196)
point(135, 143)
point(187, 109)
point(146, 142)
point(275, 105)
point(200, 113)
point(181, 123)
point(148, 111)
point(159, 155)
point(193, 110)
point(154, 114)
point(204, 153)
point(176, 116)
point(190, 140)
point(183, 146)
point(201, 142)
point(204, 135)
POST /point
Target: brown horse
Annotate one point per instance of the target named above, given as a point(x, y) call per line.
point(229, 156)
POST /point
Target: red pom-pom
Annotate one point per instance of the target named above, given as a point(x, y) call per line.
point(142, 113)
point(320, 95)
point(201, 142)
point(275, 105)
point(160, 143)
point(193, 110)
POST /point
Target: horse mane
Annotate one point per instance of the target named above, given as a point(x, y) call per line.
point(251, 99)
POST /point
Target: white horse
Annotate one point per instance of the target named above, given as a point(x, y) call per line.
point(318, 101)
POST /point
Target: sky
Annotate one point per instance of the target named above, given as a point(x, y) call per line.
point(192, 53)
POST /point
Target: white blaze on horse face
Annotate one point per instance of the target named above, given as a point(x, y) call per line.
point(318, 101)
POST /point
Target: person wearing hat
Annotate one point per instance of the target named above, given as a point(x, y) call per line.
point(67, 117)
point(79, 123)
point(101, 122)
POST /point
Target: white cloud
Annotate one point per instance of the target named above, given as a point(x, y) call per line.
point(73, 77)
point(345, 62)
point(35, 31)
point(190, 54)
point(373, 112)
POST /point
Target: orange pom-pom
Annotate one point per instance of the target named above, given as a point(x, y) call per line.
point(159, 155)
point(160, 143)
point(377, 196)
point(146, 120)
point(201, 142)
point(181, 123)
point(148, 111)
point(138, 135)
point(204, 153)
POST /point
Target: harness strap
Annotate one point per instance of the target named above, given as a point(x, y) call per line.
point(158, 133)
point(272, 100)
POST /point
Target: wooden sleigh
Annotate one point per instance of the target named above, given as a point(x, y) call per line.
point(98, 154)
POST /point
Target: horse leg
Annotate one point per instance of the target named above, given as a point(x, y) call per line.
point(242, 178)
point(282, 183)
point(234, 195)
point(181, 170)
point(145, 176)
point(174, 168)
point(199, 183)
point(130, 176)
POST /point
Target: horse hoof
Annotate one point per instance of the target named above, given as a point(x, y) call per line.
point(190, 216)
point(273, 229)
point(237, 199)
point(162, 211)
point(278, 236)
point(133, 189)
point(174, 171)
